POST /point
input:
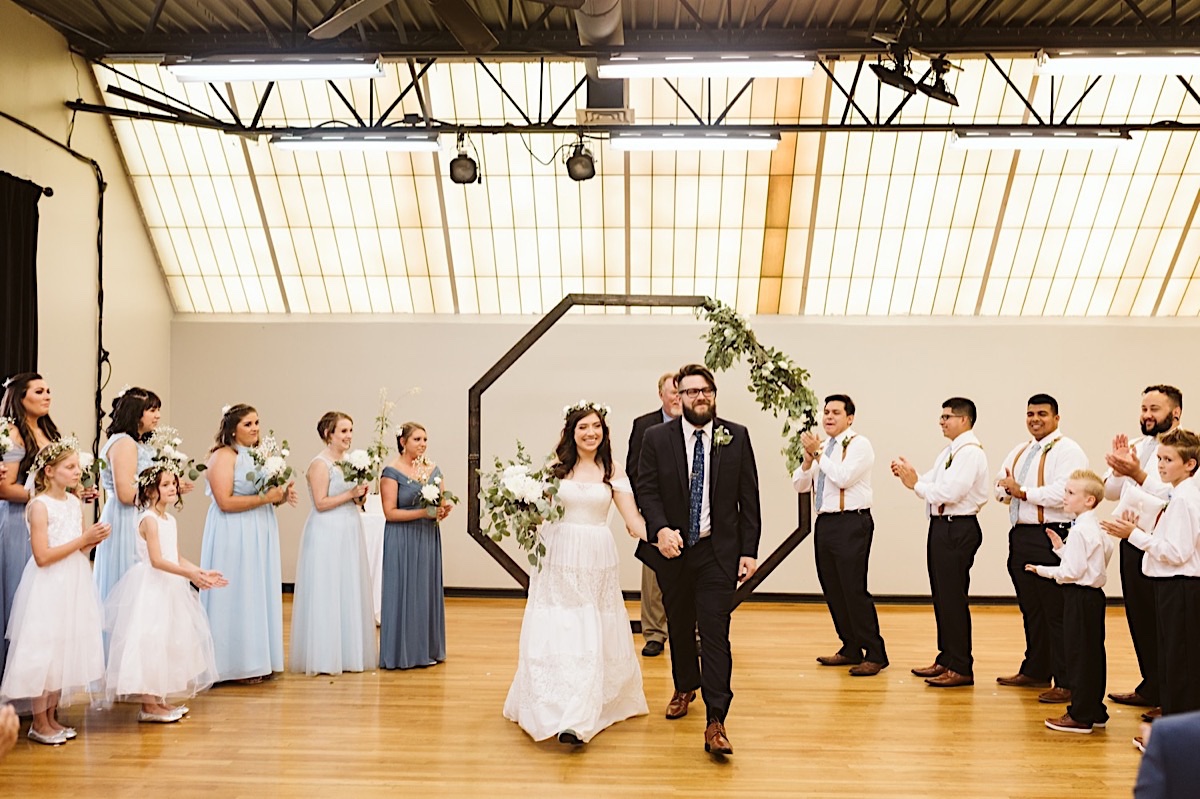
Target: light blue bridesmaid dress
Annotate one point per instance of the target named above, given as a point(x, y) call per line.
point(246, 616)
point(118, 552)
point(333, 614)
point(15, 552)
point(412, 619)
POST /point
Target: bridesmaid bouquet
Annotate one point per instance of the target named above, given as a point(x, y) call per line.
point(6, 428)
point(164, 442)
point(517, 499)
point(270, 467)
point(90, 467)
point(433, 495)
point(359, 467)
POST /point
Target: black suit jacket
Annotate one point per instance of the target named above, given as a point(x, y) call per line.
point(632, 458)
point(663, 495)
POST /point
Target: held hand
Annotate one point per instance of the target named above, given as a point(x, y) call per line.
point(292, 496)
point(88, 494)
point(746, 569)
point(670, 542)
point(209, 579)
point(359, 491)
point(275, 495)
point(95, 534)
point(186, 486)
point(1009, 484)
point(1056, 541)
point(444, 510)
point(1119, 528)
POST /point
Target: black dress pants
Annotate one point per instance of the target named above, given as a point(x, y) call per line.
point(1041, 602)
point(1141, 612)
point(950, 553)
point(843, 549)
point(1083, 621)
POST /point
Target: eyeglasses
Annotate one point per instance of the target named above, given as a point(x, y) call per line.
point(692, 393)
point(945, 417)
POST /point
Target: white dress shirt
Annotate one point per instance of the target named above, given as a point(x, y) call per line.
point(1084, 554)
point(957, 485)
point(1062, 456)
point(848, 469)
point(689, 444)
point(1146, 449)
point(1172, 549)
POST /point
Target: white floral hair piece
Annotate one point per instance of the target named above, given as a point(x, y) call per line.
point(225, 410)
point(7, 382)
point(124, 388)
point(53, 451)
point(590, 405)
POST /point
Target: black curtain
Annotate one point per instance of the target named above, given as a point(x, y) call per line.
point(18, 274)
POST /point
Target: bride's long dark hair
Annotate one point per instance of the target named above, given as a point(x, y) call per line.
point(567, 455)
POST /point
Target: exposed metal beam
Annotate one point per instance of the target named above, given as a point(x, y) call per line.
point(1079, 102)
point(504, 91)
point(262, 104)
point(1012, 86)
point(848, 95)
point(224, 102)
point(154, 15)
point(683, 100)
point(347, 103)
point(412, 85)
point(1183, 234)
point(721, 117)
point(566, 100)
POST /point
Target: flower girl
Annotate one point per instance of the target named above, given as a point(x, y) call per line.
point(55, 647)
point(160, 644)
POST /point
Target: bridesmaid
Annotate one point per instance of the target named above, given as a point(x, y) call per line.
point(241, 540)
point(412, 628)
point(333, 615)
point(135, 414)
point(27, 402)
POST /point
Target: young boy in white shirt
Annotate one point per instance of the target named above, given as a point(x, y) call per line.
point(1082, 571)
point(1173, 561)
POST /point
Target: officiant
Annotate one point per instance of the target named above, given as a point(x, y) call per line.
point(1135, 464)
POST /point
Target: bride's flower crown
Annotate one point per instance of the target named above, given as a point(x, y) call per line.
point(53, 451)
point(588, 405)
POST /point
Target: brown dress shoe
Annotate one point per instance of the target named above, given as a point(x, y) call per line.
point(677, 708)
point(868, 668)
point(950, 679)
point(715, 740)
point(1065, 723)
point(1152, 715)
point(837, 660)
point(936, 670)
point(1020, 680)
point(1055, 696)
point(1131, 698)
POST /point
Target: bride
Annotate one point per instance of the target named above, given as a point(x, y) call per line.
point(576, 669)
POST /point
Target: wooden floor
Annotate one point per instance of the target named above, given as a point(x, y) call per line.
point(797, 729)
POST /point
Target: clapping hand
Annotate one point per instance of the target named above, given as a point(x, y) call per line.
point(1123, 458)
point(1122, 527)
point(811, 443)
point(1056, 542)
point(905, 471)
point(95, 534)
point(670, 542)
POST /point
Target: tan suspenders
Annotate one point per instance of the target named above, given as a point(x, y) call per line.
point(1041, 478)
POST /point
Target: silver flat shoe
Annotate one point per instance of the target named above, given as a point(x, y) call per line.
point(157, 718)
point(50, 740)
point(69, 733)
point(182, 710)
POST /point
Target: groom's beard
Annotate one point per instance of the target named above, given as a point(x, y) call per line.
point(1156, 428)
point(699, 418)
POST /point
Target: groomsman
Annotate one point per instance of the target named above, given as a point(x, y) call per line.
point(1135, 464)
point(954, 490)
point(1031, 482)
point(654, 616)
point(840, 468)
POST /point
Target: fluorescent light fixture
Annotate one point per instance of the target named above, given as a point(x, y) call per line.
point(1048, 138)
point(403, 140)
point(692, 140)
point(222, 69)
point(708, 65)
point(1129, 62)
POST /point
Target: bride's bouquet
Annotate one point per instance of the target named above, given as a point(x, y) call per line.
point(270, 467)
point(164, 442)
point(433, 494)
point(6, 430)
point(517, 499)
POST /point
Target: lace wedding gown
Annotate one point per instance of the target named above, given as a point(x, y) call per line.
point(576, 667)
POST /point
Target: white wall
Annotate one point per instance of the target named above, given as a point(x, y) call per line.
point(39, 74)
point(898, 372)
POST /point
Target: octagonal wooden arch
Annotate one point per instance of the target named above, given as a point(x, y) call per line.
point(475, 435)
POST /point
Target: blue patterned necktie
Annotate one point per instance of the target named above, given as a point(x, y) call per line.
point(1014, 508)
point(821, 474)
point(697, 490)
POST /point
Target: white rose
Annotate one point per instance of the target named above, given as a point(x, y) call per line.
point(531, 490)
point(273, 465)
point(359, 459)
point(176, 441)
point(284, 452)
point(430, 493)
point(86, 460)
point(179, 456)
point(168, 450)
point(516, 470)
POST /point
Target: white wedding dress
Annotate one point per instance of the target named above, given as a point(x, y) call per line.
point(576, 668)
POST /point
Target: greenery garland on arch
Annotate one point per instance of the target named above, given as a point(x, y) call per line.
point(779, 385)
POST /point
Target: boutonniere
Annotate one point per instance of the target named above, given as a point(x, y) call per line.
point(1050, 446)
point(721, 436)
point(845, 443)
point(949, 460)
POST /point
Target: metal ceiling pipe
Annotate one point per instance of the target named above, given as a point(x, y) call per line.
point(600, 23)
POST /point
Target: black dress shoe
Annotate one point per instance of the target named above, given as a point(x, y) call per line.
point(652, 649)
point(569, 738)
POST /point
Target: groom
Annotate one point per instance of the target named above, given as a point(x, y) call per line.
point(698, 490)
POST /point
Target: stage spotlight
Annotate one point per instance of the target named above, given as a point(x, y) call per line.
point(896, 75)
point(580, 164)
point(463, 168)
point(937, 90)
